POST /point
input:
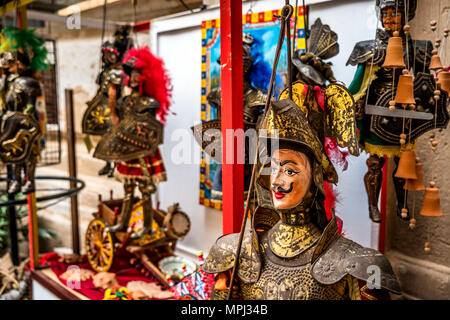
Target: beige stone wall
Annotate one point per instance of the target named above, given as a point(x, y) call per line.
point(425, 275)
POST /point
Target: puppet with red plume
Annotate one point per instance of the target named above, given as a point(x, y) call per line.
point(133, 143)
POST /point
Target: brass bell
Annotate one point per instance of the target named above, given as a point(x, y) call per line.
point(394, 53)
point(444, 80)
point(431, 206)
point(407, 165)
point(405, 89)
point(435, 63)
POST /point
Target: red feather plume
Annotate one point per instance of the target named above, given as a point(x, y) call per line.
point(154, 80)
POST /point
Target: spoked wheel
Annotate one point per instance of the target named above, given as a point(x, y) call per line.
point(99, 246)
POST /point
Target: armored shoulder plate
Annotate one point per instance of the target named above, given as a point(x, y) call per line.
point(115, 76)
point(28, 85)
point(345, 257)
point(146, 103)
point(254, 102)
point(223, 254)
point(365, 51)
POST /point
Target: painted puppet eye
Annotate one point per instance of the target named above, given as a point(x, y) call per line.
point(289, 172)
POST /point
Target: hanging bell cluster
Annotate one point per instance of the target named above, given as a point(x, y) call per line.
point(394, 53)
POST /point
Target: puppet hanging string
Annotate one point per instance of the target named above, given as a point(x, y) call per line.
point(285, 20)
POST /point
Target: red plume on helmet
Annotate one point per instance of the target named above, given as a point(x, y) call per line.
point(154, 80)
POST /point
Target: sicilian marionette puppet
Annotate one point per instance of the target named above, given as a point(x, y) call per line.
point(100, 114)
point(254, 70)
point(316, 87)
point(395, 96)
point(293, 251)
point(133, 142)
point(23, 56)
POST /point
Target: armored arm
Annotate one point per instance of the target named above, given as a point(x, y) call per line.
point(114, 92)
point(32, 90)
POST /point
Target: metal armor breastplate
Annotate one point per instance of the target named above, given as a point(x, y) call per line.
point(290, 279)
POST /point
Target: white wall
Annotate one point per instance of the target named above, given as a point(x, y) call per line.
point(178, 41)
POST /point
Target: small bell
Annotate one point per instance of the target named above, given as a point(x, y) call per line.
point(416, 184)
point(444, 80)
point(394, 53)
point(407, 165)
point(431, 206)
point(435, 63)
point(405, 89)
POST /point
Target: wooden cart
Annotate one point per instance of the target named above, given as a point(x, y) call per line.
point(101, 245)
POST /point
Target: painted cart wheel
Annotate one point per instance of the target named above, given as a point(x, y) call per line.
point(99, 246)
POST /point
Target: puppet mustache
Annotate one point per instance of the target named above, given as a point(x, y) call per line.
point(281, 190)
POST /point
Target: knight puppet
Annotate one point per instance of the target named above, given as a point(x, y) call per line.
point(23, 56)
point(390, 122)
point(100, 114)
point(293, 250)
point(133, 142)
point(254, 70)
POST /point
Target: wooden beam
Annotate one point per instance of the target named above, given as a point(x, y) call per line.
point(84, 6)
point(72, 169)
point(22, 19)
point(232, 113)
point(12, 5)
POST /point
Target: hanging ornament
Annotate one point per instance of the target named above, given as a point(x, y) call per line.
point(407, 165)
point(412, 223)
point(404, 213)
point(431, 206)
point(416, 184)
point(444, 81)
point(433, 24)
point(435, 63)
point(405, 89)
point(394, 53)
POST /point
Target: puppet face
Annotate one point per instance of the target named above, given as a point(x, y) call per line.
point(134, 78)
point(290, 179)
point(392, 19)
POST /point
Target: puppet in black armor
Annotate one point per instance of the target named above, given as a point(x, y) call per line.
point(101, 114)
point(23, 56)
point(254, 100)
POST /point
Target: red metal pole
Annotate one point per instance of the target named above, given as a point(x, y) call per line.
point(232, 113)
